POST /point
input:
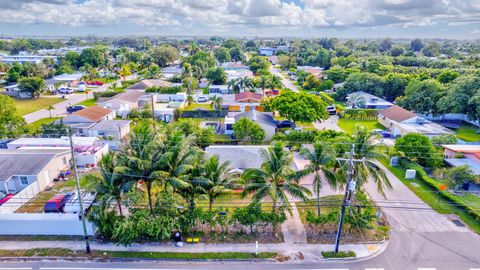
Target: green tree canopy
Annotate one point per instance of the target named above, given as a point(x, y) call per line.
point(364, 81)
point(422, 96)
point(300, 107)
point(418, 148)
point(32, 85)
point(11, 122)
point(163, 55)
point(247, 131)
point(463, 96)
point(217, 75)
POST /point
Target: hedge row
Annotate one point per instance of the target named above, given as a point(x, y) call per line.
point(422, 175)
point(360, 114)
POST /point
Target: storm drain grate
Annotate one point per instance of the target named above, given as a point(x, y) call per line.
point(458, 223)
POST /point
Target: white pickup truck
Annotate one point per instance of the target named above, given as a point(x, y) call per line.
point(73, 203)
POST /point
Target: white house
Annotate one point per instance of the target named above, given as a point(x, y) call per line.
point(241, 157)
point(400, 122)
point(364, 100)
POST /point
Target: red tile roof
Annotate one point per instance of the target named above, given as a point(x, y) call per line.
point(397, 113)
point(248, 95)
point(94, 113)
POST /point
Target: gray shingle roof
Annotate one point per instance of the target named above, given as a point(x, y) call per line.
point(25, 162)
point(240, 156)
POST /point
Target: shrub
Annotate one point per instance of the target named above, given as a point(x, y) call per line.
point(360, 114)
point(164, 89)
point(340, 254)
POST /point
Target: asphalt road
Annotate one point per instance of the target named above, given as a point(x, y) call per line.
point(285, 81)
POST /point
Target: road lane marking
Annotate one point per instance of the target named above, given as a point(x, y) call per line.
point(16, 268)
point(103, 268)
point(374, 268)
point(427, 268)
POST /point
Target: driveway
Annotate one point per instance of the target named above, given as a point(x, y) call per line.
point(60, 108)
point(330, 123)
point(285, 81)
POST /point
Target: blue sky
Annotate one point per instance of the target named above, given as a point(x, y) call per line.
point(303, 18)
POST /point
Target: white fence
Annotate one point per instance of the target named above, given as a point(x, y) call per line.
point(20, 198)
point(43, 224)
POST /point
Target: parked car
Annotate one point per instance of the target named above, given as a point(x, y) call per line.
point(314, 93)
point(65, 90)
point(73, 203)
point(332, 110)
point(75, 108)
point(95, 83)
point(383, 133)
point(284, 124)
point(57, 203)
point(6, 198)
point(202, 99)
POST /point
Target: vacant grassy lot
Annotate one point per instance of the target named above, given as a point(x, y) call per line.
point(348, 125)
point(468, 133)
point(327, 204)
point(26, 106)
point(199, 106)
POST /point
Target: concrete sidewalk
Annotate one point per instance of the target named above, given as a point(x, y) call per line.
point(310, 251)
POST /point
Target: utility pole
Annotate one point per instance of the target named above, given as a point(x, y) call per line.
point(346, 197)
point(80, 199)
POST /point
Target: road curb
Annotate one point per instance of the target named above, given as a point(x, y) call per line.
point(89, 259)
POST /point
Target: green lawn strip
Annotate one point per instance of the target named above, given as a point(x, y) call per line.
point(348, 125)
point(340, 254)
point(468, 133)
point(26, 106)
point(62, 252)
point(433, 199)
point(88, 102)
point(34, 127)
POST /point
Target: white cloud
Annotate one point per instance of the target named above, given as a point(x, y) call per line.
point(250, 14)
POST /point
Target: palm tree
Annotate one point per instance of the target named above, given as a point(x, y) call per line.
point(367, 151)
point(180, 156)
point(50, 108)
point(216, 102)
point(219, 178)
point(263, 83)
point(143, 156)
point(274, 81)
point(234, 85)
point(111, 183)
point(275, 178)
point(322, 158)
point(245, 83)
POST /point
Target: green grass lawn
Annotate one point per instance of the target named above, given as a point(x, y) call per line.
point(26, 106)
point(199, 106)
point(348, 125)
point(88, 102)
point(34, 127)
point(327, 204)
point(437, 202)
point(468, 133)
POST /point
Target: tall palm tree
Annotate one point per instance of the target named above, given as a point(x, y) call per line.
point(143, 156)
point(216, 102)
point(180, 156)
point(263, 83)
point(246, 83)
point(274, 81)
point(219, 178)
point(111, 183)
point(275, 178)
point(234, 85)
point(322, 159)
point(366, 150)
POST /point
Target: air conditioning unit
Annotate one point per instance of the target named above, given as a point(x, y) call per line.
point(410, 174)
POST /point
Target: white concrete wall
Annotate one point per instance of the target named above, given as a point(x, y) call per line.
point(43, 224)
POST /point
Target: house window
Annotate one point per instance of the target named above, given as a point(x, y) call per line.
point(23, 180)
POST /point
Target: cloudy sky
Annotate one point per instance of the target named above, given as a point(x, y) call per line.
point(340, 18)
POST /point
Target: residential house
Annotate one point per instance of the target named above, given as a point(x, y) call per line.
point(364, 100)
point(464, 154)
point(273, 59)
point(233, 66)
point(14, 91)
point(144, 84)
point(81, 121)
point(241, 157)
point(124, 102)
point(88, 150)
point(315, 71)
point(70, 80)
point(266, 51)
point(219, 89)
point(242, 102)
point(20, 168)
point(239, 74)
point(115, 129)
point(400, 122)
point(172, 71)
point(25, 58)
